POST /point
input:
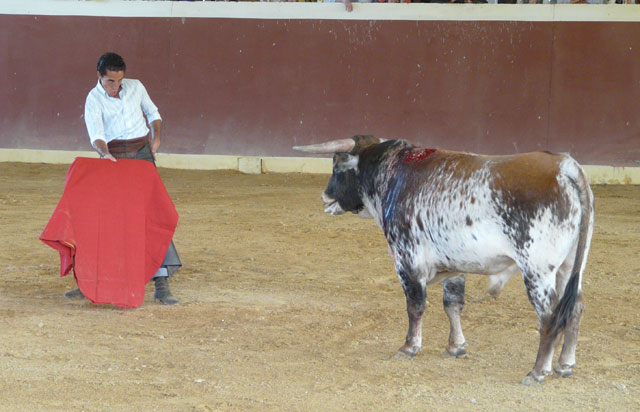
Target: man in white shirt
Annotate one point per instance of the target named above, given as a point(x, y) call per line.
point(115, 113)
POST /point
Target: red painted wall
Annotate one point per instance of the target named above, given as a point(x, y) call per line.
point(257, 87)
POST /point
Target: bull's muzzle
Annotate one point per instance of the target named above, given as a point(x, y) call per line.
point(331, 205)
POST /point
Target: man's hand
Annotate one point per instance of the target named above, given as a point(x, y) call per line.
point(103, 150)
point(110, 157)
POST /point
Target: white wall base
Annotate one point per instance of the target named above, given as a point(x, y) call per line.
point(256, 165)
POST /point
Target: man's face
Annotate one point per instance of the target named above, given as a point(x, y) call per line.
point(111, 82)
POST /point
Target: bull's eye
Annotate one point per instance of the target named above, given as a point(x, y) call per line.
point(346, 163)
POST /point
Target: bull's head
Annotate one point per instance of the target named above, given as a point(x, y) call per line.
point(343, 191)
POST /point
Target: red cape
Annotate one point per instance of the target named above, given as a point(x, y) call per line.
point(113, 225)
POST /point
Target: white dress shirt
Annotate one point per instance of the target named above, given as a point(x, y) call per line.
point(109, 118)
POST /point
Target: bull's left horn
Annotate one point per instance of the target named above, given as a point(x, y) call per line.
point(334, 146)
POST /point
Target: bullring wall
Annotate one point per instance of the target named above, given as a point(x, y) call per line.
point(253, 79)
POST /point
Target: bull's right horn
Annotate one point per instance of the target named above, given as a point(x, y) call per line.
point(334, 146)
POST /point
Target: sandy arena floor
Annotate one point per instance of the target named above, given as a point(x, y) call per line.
point(284, 308)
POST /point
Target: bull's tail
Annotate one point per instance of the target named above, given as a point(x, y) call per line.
point(566, 306)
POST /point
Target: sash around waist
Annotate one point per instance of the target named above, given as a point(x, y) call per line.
point(129, 145)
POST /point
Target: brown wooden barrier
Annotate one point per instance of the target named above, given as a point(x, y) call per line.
point(259, 86)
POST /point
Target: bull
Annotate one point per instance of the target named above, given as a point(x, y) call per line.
point(445, 214)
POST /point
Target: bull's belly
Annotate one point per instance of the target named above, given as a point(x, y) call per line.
point(440, 259)
point(485, 265)
point(491, 255)
point(485, 250)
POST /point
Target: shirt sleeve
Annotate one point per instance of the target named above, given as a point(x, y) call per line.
point(93, 119)
point(149, 109)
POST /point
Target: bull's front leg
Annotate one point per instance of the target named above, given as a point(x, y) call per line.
point(453, 301)
point(415, 291)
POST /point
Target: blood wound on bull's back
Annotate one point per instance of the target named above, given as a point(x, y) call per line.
point(416, 155)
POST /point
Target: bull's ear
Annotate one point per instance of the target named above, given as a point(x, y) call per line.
point(346, 161)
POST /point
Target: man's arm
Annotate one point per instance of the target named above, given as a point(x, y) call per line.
point(95, 127)
point(153, 117)
point(101, 147)
point(156, 130)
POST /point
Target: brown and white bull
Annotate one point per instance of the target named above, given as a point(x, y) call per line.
point(445, 214)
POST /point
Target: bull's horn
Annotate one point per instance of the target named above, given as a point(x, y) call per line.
point(334, 146)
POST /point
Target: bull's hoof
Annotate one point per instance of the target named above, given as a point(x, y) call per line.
point(564, 370)
point(402, 355)
point(456, 351)
point(532, 379)
point(407, 352)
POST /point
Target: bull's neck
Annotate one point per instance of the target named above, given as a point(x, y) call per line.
point(382, 180)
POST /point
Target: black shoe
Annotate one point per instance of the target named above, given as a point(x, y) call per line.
point(74, 294)
point(163, 293)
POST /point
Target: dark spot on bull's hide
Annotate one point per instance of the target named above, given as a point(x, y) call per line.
point(474, 237)
point(414, 290)
point(529, 293)
point(516, 217)
point(528, 284)
point(551, 268)
point(520, 204)
point(473, 200)
point(469, 222)
point(453, 292)
point(420, 223)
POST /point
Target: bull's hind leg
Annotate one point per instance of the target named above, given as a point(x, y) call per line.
point(415, 291)
point(541, 292)
point(453, 301)
point(567, 359)
point(544, 359)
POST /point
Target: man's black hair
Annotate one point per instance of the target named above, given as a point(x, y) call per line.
point(111, 61)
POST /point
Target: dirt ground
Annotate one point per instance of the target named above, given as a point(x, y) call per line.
point(284, 308)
